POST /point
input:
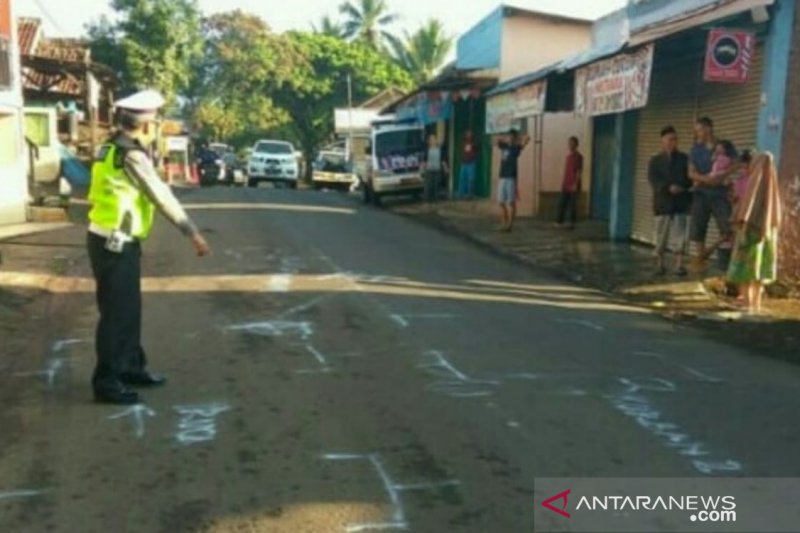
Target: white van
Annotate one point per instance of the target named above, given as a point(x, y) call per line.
point(394, 162)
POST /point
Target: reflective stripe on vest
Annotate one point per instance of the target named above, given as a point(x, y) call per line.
point(117, 203)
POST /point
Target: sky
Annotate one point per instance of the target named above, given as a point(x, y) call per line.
point(67, 18)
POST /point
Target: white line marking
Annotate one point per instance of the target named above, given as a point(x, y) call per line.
point(60, 346)
point(400, 320)
point(303, 307)
point(53, 368)
point(276, 328)
point(703, 376)
point(585, 323)
point(654, 355)
point(138, 413)
point(279, 283)
point(393, 490)
point(317, 355)
point(441, 362)
point(15, 494)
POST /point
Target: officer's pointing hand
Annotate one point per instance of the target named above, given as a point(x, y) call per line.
point(201, 247)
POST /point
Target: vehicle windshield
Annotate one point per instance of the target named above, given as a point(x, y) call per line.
point(399, 150)
point(332, 162)
point(274, 148)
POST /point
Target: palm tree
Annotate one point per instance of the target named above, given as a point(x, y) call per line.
point(424, 52)
point(367, 20)
point(328, 26)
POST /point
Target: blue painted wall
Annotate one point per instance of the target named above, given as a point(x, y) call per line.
point(772, 121)
point(481, 47)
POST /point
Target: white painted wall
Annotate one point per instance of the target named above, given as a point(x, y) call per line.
point(13, 158)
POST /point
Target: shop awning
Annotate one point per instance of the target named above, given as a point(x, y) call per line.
point(696, 18)
point(590, 56)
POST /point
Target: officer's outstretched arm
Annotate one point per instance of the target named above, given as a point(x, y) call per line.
point(141, 170)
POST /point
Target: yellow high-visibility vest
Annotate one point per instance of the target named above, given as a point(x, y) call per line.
point(117, 202)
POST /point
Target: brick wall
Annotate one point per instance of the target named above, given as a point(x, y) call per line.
point(790, 167)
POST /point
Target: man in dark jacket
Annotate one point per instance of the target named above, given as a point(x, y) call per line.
point(669, 175)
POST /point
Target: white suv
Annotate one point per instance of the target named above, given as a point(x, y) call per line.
point(274, 162)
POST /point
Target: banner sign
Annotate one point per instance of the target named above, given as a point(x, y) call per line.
point(531, 100)
point(729, 56)
point(614, 85)
point(428, 108)
point(500, 111)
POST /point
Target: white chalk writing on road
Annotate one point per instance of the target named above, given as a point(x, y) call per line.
point(60, 346)
point(398, 519)
point(197, 423)
point(632, 403)
point(139, 413)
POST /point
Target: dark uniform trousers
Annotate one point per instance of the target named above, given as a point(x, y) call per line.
point(119, 300)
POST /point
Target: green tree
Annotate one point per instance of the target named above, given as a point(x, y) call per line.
point(367, 20)
point(154, 43)
point(424, 52)
point(319, 85)
point(330, 27)
point(242, 62)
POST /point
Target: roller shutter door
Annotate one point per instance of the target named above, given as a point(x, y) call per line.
point(678, 96)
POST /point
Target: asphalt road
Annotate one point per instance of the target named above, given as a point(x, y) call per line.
point(338, 368)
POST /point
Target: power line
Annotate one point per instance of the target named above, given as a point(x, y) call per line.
point(48, 16)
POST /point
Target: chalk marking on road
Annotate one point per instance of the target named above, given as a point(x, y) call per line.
point(714, 467)
point(702, 376)
point(441, 363)
point(653, 355)
point(641, 410)
point(279, 283)
point(198, 422)
point(513, 424)
point(585, 323)
point(400, 320)
point(139, 413)
point(317, 355)
point(60, 346)
point(18, 494)
point(393, 490)
point(54, 366)
point(276, 328)
point(303, 307)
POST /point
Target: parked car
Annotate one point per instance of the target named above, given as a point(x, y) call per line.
point(273, 162)
point(394, 164)
point(332, 170)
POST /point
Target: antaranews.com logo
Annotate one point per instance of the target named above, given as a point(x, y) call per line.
point(666, 505)
point(705, 509)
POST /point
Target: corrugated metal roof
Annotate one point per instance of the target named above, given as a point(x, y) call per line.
point(33, 44)
point(520, 81)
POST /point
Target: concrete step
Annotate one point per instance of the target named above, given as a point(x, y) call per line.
point(47, 214)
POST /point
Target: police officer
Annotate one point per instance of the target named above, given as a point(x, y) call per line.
point(124, 195)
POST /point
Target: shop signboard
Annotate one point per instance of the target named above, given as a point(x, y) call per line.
point(500, 113)
point(729, 56)
point(530, 100)
point(614, 85)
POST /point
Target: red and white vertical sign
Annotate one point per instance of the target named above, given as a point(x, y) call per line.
point(730, 56)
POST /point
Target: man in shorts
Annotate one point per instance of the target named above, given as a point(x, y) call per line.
point(510, 147)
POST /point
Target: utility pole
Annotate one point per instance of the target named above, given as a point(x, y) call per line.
point(350, 118)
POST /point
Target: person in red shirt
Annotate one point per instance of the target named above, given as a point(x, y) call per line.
point(571, 185)
point(469, 158)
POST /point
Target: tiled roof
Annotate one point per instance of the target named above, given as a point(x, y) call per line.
point(33, 43)
point(73, 50)
point(28, 33)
